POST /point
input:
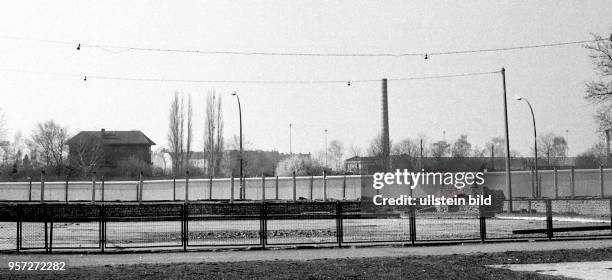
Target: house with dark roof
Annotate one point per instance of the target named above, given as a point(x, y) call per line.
point(104, 150)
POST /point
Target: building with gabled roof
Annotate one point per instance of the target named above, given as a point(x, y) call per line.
point(104, 150)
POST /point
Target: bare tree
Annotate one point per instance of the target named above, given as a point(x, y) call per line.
point(189, 136)
point(302, 166)
point(213, 134)
point(336, 150)
point(354, 151)
point(160, 156)
point(50, 140)
point(220, 142)
point(11, 153)
point(497, 145)
point(3, 130)
point(87, 155)
point(600, 91)
point(480, 152)
point(233, 143)
point(180, 134)
point(440, 149)
point(181, 140)
point(376, 146)
point(551, 146)
point(461, 147)
point(407, 147)
point(174, 134)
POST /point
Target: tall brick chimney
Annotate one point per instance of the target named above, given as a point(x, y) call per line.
point(385, 128)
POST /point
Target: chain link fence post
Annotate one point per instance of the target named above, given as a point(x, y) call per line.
point(186, 186)
point(173, 188)
point(324, 185)
point(93, 187)
point(30, 189)
point(412, 213)
point(102, 226)
point(42, 186)
point(601, 181)
point(556, 182)
point(263, 188)
point(294, 186)
point(339, 230)
point(276, 189)
point(102, 188)
point(549, 219)
point(210, 187)
point(483, 223)
point(572, 183)
point(232, 189)
point(344, 187)
point(263, 225)
point(66, 188)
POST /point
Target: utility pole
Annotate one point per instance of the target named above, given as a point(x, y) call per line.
point(421, 156)
point(290, 149)
point(508, 179)
point(492, 156)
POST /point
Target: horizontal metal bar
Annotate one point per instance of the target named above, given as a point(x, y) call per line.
point(565, 229)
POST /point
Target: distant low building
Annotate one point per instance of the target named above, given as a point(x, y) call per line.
point(255, 162)
point(104, 150)
point(370, 165)
point(362, 165)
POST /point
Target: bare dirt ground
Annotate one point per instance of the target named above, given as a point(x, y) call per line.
point(443, 262)
point(580, 270)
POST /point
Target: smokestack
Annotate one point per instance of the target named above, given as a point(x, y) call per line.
point(102, 131)
point(385, 127)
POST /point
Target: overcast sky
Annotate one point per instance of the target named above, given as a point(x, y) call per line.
point(551, 78)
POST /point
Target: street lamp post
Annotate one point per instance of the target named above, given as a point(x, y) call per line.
point(326, 148)
point(535, 146)
point(242, 191)
point(290, 144)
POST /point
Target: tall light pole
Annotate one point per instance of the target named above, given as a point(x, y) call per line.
point(535, 145)
point(326, 148)
point(243, 192)
point(290, 148)
point(567, 142)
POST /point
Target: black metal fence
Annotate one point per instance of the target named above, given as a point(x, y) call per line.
point(127, 226)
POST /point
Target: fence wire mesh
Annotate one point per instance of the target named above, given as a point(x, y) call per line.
point(588, 215)
point(76, 235)
point(33, 235)
point(525, 215)
point(357, 230)
point(448, 223)
point(8, 236)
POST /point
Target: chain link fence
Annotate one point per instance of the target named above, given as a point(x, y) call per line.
point(125, 226)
